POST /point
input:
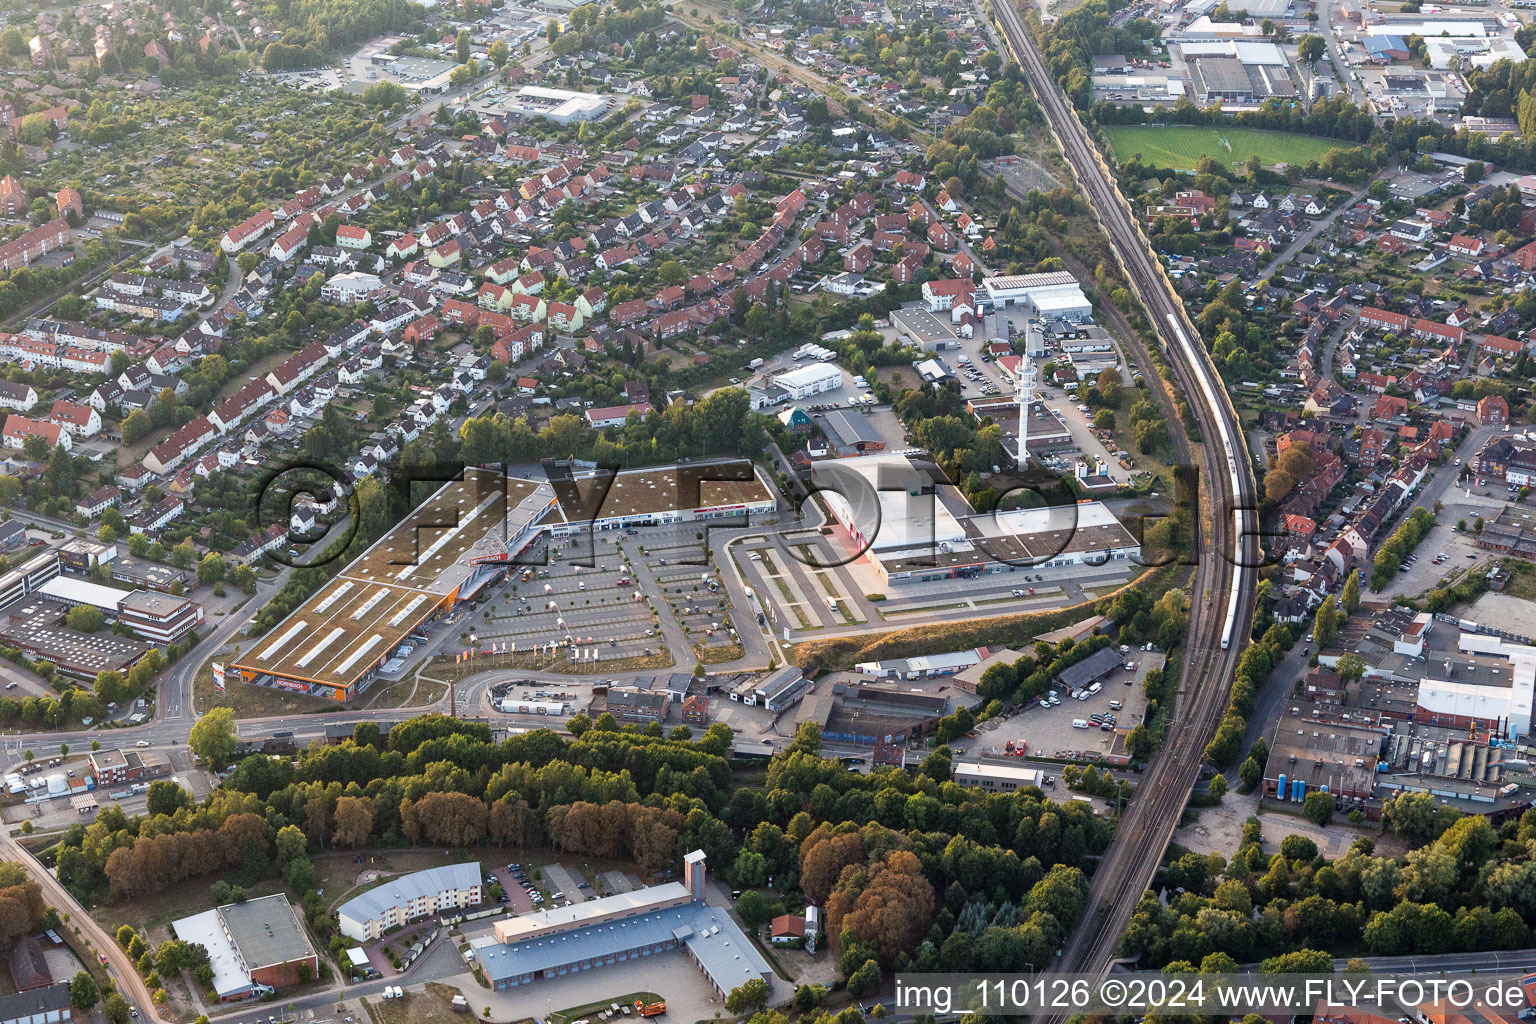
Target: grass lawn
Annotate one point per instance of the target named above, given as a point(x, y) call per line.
point(1181, 147)
point(1522, 579)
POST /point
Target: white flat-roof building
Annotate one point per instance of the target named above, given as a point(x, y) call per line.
point(1494, 689)
point(913, 525)
point(562, 106)
point(809, 380)
point(1053, 296)
point(995, 778)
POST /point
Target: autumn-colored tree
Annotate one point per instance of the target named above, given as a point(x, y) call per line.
point(317, 819)
point(354, 821)
point(888, 907)
point(823, 856)
point(454, 819)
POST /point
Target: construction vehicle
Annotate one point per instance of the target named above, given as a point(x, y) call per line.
point(655, 1009)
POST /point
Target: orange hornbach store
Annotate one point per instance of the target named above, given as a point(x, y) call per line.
point(334, 644)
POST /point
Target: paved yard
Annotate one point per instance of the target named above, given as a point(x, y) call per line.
point(1049, 731)
point(559, 878)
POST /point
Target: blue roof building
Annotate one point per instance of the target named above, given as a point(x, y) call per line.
point(627, 926)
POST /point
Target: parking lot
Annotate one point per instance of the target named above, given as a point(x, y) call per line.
point(565, 603)
point(1049, 732)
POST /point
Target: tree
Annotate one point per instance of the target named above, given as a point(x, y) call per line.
point(1310, 49)
point(499, 52)
point(135, 426)
point(116, 1008)
point(211, 569)
point(1351, 667)
point(1325, 625)
point(1350, 599)
point(353, 821)
point(84, 993)
point(748, 997)
point(1318, 808)
point(461, 46)
point(213, 737)
point(1218, 787)
point(671, 272)
point(86, 618)
point(165, 797)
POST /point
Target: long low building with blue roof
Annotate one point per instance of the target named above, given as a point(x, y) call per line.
point(626, 926)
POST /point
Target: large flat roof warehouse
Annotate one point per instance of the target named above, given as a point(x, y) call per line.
point(558, 105)
point(74, 591)
point(700, 489)
point(915, 525)
point(335, 640)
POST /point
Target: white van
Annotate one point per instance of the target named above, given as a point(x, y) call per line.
point(1095, 688)
point(1079, 723)
point(1070, 385)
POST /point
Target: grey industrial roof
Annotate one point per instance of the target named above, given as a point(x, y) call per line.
point(397, 892)
point(266, 931)
point(851, 427)
point(722, 951)
point(1090, 668)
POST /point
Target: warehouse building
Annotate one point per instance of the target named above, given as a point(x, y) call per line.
point(254, 948)
point(994, 778)
point(911, 524)
point(561, 106)
point(335, 644)
point(647, 922)
point(365, 917)
point(812, 379)
point(1052, 296)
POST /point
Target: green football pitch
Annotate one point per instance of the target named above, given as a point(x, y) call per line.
point(1182, 146)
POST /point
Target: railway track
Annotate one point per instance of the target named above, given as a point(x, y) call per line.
point(1221, 609)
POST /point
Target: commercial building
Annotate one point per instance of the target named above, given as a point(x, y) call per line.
point(630, 704)
point(254, 948)
point(112, 767)
point(35, 625)
point(994, 778)
point(911, 524)
point(159, 618)
point(626, 926)
point(334, 644)
point(808, 380)
point(694, 492)
point(452, 887)
point(1052, 296)
point(562, 106)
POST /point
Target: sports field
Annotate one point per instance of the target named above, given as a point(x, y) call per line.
point(1182, 146)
